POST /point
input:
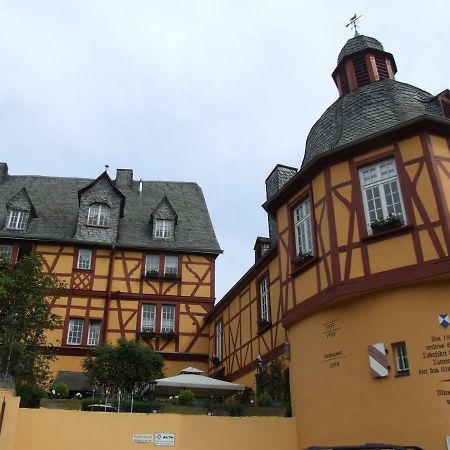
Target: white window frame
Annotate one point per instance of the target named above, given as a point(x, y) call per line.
point(218, 335)
point(303, 228)
point(148, 317)
point(401, 357)
point(6, 250)
point(152, 263)
point(264, 299)
point(382, 177)
point(75, 332)
point(17, 219)
point(84, 260)
point(94, 333)
point(171, 265)
point(163, 228)
point(99, 215)
point(168, 313)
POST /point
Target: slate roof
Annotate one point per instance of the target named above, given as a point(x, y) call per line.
point(367, 111)
point(75, 381)
point(357, 44)
point(56, 203)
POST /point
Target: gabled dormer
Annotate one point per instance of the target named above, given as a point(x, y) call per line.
point(163, 220)
point(20, 211)
point(101, 204)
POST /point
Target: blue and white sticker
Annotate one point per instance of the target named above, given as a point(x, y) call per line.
point(444, 320)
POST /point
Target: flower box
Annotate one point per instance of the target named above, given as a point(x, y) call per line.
point(263, 323)
point(147, 333)
point(152, 274)
point(215, 361)
point(302, 257)
point(169, 335)
point(171, 275)
point(388, 223)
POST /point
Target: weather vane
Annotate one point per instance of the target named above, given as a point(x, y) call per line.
point(354, 23)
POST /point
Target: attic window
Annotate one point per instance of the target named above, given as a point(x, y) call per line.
point(17, 220)
point(445, 103)
point(163, 228)
point(98, 215)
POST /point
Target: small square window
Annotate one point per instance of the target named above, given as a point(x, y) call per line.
point(148, 318)
point(99, 215)
point(94, 332)
point(84, 259)
point(163, 228)
point(167, 318)
point(171, 266)
point(401, 358)
point(152, 265)
point(17, 220)
point(6, 251)
point(75, 334)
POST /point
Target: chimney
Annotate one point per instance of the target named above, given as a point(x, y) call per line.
point(3, 171)
point(279, 176)
point(124, 178)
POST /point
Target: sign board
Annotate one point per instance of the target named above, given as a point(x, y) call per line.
point(165, 439)
point(142, 438)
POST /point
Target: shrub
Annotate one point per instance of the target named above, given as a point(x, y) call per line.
point(61, 390)
point(264, 399)
point(235, 409)
point(30, 395)
point(186, 397)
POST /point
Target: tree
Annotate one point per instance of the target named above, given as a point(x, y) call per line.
point(122, 366)
point(25, 312)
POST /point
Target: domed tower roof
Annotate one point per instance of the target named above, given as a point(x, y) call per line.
point(358, 44)
point(370, 102)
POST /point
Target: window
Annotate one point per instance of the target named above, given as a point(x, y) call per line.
point(163, 228)
point(381, 193)
point(99, 215)
point(75, 334)
point(167, 318)
point(84, 259)
point(171, 266)
point(148, 318)
point(6, 251)
point(218, 340)
point(17, 220)
point(264, 311)
point(152, 265)
point(94, 332)
point(303, 233)
point(401, 358)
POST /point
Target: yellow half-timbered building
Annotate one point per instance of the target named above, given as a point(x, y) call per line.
point(138, 259)
point(353, 290)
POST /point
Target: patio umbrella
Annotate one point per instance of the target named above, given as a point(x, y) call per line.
point(202, 386)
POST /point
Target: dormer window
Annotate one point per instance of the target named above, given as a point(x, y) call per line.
point(163, 228)
point(99, 215)
point(18, 220)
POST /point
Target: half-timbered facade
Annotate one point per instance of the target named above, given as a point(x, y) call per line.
point(138, 259)
point(359, 275)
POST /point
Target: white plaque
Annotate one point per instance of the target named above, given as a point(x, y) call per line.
point(142, 438)
point(165, 439)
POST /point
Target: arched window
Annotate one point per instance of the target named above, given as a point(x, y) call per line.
point(98, 215)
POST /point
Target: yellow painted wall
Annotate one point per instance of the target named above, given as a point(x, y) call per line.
point(47, 429)
point(337, 401)
point(9, 432)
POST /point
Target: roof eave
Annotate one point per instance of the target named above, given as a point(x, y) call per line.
point(439, 124)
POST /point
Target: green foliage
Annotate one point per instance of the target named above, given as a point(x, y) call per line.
point(122, 366)
point(264, 399)
point(186, 397)
point(30, 395)
point(125, 405)
point(25, 296)
point(235, 409)
point(61, 390)
point(275, 382)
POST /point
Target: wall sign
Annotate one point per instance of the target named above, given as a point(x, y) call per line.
point(142, 438)
point(165, 439)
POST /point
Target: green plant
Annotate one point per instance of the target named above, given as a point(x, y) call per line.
point(30, 395)
point(186, 397)
point(303, 257)
point(61, 390)
point(264, 399)
point(234, 409)
point(390, 220)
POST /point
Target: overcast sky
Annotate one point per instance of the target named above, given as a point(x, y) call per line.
point(214, 91)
